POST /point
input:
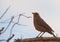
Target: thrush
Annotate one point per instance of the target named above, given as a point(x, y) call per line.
point(41, 25)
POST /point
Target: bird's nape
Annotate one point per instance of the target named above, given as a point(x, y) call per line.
point(34, 13)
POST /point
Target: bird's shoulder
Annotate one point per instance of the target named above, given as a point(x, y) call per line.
point(41, 22)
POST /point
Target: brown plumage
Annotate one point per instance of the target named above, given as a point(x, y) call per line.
point(41, 25)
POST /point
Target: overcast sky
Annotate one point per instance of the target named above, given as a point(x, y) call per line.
point(49, 10)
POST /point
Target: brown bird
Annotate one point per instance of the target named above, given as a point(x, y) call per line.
point(41, 25)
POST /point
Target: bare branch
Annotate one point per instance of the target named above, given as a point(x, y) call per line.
point(5, 12)
point(12, 29)
point(9, 24)
point(1, 30)
point(3, 40)
point(14, 25)
point(26, 16)
point(14, 22)
point(18, 18)
point(10, 38)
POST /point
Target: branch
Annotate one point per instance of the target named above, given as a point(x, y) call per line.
point(26, 16)
point(15, 24)
point(1, 30)
point(5, 12)
point(9, 24)
point(2, 40)
point(10, 38)
point(18, 19)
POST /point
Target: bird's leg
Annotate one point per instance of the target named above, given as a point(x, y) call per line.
point(42, 34)
point(38, 34)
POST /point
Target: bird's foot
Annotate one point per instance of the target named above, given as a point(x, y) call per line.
point(40, 37)
point(37, 37)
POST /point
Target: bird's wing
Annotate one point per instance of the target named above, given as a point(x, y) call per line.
point(41, 22)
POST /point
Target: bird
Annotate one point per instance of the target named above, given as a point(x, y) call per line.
point(40, 25)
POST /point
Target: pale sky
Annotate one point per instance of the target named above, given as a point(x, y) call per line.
point(49, 10)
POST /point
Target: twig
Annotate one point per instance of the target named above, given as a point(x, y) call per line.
point(12, 29)
point(1, 30)
point(3, 40)
point(10, 38)
point(26, 16)
point(9, 19)
point(18, 18)
point(9, 24)
point(5, 12)
point(15, 16)
point(15, 24)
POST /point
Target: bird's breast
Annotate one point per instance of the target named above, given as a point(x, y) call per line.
point(38, 27)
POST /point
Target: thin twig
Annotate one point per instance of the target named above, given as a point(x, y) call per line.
point(5, 12)
point(16, 16)
point(12, 29)
point(9, 24)
point(9, 19)
point(1, 30)
point(26, 16)
point(14, 22)
point(10, 38)
point(14, 25)
point(3, 40)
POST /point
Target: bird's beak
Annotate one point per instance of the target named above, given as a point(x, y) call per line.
point(32, 12)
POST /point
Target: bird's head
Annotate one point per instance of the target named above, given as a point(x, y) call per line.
point(35, 13)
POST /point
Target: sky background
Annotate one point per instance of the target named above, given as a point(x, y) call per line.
point(49, 10)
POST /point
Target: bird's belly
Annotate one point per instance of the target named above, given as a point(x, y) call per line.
point(40, 28)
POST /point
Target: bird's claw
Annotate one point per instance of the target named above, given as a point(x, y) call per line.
point(37, 37)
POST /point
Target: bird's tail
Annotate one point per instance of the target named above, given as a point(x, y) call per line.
point(54, 35)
